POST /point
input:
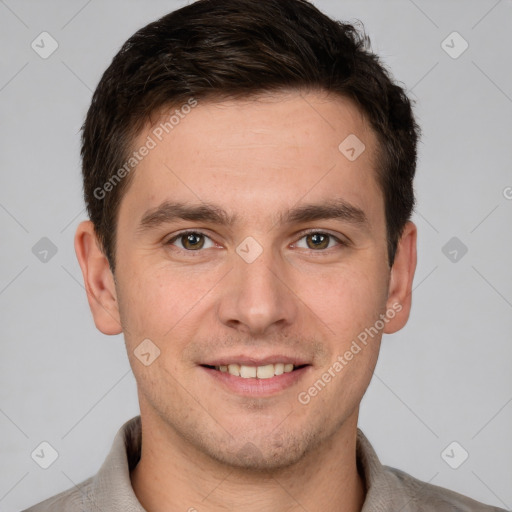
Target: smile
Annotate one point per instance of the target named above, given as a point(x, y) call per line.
point(256, 381)
point(266, 371)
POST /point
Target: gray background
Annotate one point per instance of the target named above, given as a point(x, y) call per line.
point(445, 377)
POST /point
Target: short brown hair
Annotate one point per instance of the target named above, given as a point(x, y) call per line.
point(238, 48)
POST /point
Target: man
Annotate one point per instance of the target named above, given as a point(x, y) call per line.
point(248, 170)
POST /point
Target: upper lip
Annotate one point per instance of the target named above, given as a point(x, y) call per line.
point(248, 360)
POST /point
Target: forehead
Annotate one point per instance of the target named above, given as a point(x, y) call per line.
point(255, 155)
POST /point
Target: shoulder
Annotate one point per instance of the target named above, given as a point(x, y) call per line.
point(427, 497)
point(391, 489)
point(72, 500)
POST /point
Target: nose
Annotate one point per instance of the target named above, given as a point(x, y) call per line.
point(258, 297)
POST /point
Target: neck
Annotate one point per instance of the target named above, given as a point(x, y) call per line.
point(172, 475)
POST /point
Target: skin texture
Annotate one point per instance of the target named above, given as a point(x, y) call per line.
point(205, 446)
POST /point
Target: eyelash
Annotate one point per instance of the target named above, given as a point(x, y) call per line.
point(170, 242)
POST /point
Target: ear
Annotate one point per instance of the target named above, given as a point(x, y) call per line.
point(98, 279)
point(400, 282)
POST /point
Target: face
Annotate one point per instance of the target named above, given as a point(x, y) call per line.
point(248, 242)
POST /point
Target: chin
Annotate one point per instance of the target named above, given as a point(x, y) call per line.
point(264, 454)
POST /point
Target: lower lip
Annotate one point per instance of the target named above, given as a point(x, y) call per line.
point(257, 387)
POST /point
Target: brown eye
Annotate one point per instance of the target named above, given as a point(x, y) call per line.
point(318, 240)
point(191, 241)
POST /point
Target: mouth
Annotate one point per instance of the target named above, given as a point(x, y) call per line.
point(253, 379)
point(266, 371)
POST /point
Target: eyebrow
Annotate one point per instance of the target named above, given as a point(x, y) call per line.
point(170, 211)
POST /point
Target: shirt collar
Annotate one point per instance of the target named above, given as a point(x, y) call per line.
point(112, 490)
point(111, 487)
point(384, 490)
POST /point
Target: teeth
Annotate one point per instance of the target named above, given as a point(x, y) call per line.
point(234, 369)
point(265, 372)
point(261, 372)
point(248, 371)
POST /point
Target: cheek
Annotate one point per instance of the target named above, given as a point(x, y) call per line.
point(348, 300)
point(156, 301)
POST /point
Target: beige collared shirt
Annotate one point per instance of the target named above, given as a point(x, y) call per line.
point(387, 489)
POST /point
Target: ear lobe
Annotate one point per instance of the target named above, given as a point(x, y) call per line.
point(401, 279)
point(98, 280)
